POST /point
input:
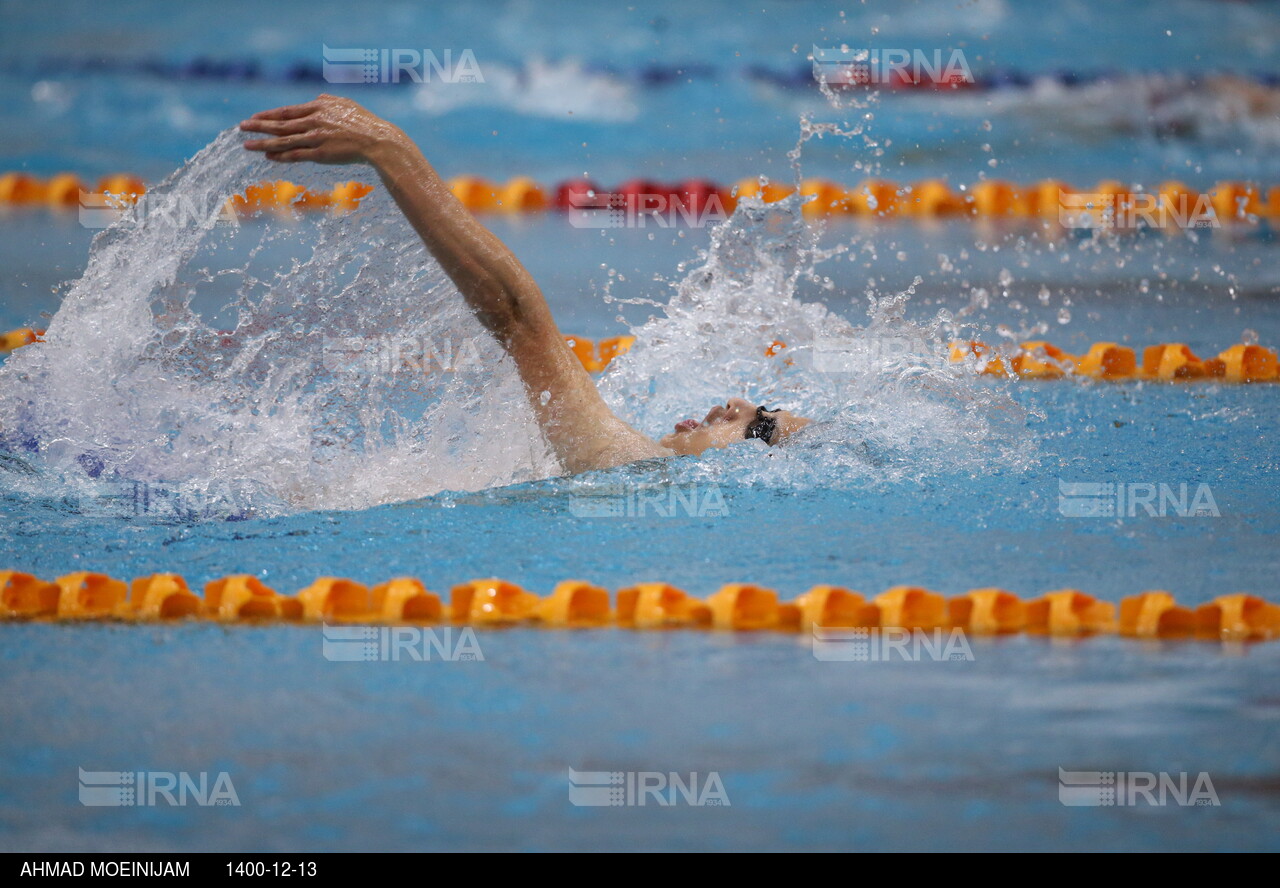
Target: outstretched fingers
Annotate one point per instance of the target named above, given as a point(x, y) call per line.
point(277, 127)
point(288, 112)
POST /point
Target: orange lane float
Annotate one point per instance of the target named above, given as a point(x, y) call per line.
point(595, 357)
point(476, 194)
point(491, 602)
point(1238, 617)
point(22, 595)
point(245, 597)
point(63, 191)
point(1236, 201)
point(405, 600)
point(1248, 363)
point(1042, 360)
point(280, 196)
point(18, 338)
point(987, 362)
point(911, 607)
point(610, 348)
point(575, 604)
point(748, 607)
point(162, 596)
point(745, 607)
point(346, 196)
point(1070, 612)
point(1107, 360)
point(988, 612)
point(834, 607)
point(771, 192)
point(874, 197)
point(334, 599)
point(1045, 198)
point(522, 195)
point(1172, 361)
point(994, 197)
point(823, 198)
point(660, 606)
point(1155, 615)
point(90, 596)
point(585, 350)
point(20, 188)
point(122, 185)
point(931, 198)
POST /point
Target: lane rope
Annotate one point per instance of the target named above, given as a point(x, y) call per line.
point(1110, 205)
point(579, 604)
point(1167, 362)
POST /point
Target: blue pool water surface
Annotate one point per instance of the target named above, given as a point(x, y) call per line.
point(927, 755)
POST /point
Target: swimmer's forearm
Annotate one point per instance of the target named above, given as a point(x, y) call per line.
point(330, 129)
point(498, 288)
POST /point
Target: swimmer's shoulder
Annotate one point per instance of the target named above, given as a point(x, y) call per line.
point(622, 446)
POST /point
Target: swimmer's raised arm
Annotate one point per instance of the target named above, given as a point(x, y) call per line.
point(578, 424)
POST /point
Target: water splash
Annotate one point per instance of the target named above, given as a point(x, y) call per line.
point(326, 362)
point(887, 402)
point(315, 361)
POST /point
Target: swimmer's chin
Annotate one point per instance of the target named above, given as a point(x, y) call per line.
point(678, 444)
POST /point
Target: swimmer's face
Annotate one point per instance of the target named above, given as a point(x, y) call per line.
point(729, 423)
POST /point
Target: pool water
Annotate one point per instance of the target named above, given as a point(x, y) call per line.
point(952, 487)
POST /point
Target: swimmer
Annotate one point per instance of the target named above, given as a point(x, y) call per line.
point(581, 429)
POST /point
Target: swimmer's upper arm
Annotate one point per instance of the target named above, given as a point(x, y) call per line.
point(580, 427)
point(582, 430)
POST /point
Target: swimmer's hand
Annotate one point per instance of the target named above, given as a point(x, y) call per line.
point(328, 129)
